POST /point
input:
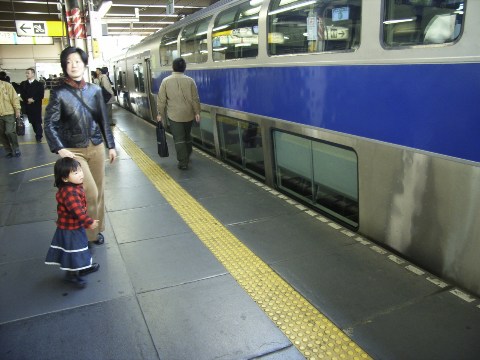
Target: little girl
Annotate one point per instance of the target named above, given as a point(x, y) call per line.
point(69, 247)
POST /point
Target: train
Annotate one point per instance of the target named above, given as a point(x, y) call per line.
point(365, 111)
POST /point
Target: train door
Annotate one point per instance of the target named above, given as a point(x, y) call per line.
point(152, 100)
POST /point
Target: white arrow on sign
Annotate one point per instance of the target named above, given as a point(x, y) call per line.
point(31, 28)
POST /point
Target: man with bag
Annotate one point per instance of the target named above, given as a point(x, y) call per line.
point(107, 91)
point(178, 95)
point(9, 110)
point(32, 93)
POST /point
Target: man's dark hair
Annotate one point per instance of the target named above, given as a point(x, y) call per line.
point(32, 70)
point(4, 76)
point(104, 70)
point(67, 52)
point(179, 65)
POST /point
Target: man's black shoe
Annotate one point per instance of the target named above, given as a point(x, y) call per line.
point(100, 239)
point(91, 269)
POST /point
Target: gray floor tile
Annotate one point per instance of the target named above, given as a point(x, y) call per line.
point(108, 330)
point(132, 197)
point(169, 261)
point(230, 209)
point(295, 235)
point(209, 319)
point(289, 353)
point(40, 288)
point(26, 241)
point(146, 223)
point(40, 210)
point(352, 283)
point(440, 327)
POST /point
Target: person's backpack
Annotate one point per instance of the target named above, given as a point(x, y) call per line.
point(106, 95)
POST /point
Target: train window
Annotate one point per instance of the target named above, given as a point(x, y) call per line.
point(321, 174)
point(299, 26)
point(241, 144)
point(168, 48)
point(202, 133)
point(235, 33)
point(193, 42)
point(119, 78)
point(138, 78)
point(422, 22)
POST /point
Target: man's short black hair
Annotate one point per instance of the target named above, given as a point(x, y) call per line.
point(179, 65)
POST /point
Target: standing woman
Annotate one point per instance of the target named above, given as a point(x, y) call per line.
point(76, 126)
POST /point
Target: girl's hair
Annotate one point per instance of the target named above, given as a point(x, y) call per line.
point(62, 169)
point(67, 52)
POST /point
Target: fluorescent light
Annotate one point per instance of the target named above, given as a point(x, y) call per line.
point(255, 2)
point(291, 7)
point(388, 22)
point(104, 8)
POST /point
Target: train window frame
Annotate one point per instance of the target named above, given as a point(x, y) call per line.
point(166, 45)
point(198, 37)
point(341, 29)
point(227, 30)
point(246, 142)
point(313, 192)
point(434, 32)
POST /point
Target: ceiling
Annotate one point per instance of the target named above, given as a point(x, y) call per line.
point(121, 19)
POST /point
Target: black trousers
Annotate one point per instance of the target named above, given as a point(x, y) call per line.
point(35, 118)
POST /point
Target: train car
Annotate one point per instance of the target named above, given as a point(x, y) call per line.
point(365, 110)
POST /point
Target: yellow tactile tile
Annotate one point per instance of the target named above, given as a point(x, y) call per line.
point(310, 331)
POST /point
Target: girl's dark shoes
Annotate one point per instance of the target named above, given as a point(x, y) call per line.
point(100, 239)
point(74, 278)
point(90, 270)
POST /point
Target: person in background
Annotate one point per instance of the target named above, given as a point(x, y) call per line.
point(32, 93)
point(178, 95)
point(4, 76)
point(9, 110)
point(76, 126)
point(93, 75)
point(105, 83)
point(69, 247)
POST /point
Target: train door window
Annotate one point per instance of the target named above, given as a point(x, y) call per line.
point(119, 78)
point(235, 33)
point(299, 26)
point(241, 144)
point(415, 22)
point(168, 48)
point(138, 78)
point(321, 174)
point(193, 42)
point(202, 133)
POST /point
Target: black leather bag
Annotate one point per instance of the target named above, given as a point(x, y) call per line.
point(106, 95)
point(19, 126)
point(161, 140)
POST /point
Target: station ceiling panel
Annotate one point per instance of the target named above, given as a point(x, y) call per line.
point(124, 17)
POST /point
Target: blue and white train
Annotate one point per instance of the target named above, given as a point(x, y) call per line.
point(366, 110)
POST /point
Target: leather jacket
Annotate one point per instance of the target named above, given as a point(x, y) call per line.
point(68, 123)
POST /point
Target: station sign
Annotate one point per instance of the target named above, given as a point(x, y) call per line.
point(40, 28)
point(11, 38)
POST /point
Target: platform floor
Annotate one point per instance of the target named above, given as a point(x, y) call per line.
point(169, 289)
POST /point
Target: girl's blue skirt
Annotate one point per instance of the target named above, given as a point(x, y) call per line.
point(69, 250)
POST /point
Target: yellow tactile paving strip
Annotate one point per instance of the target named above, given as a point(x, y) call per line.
point(312, 333)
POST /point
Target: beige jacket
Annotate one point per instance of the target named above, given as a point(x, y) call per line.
point(178, 95)
point(9, 102)
point(104, 82)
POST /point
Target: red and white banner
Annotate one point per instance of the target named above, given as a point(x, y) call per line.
point(76, 24)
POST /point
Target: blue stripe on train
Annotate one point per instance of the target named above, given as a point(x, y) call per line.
point(434, 108)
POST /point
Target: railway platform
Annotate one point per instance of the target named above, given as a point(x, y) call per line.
point(210, 263)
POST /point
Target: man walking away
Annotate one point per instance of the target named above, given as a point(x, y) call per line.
point(178, 95)
point(32, 92)
point(9, 109)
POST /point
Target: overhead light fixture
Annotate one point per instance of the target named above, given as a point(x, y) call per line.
point(104, 8)
point(122, 19)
